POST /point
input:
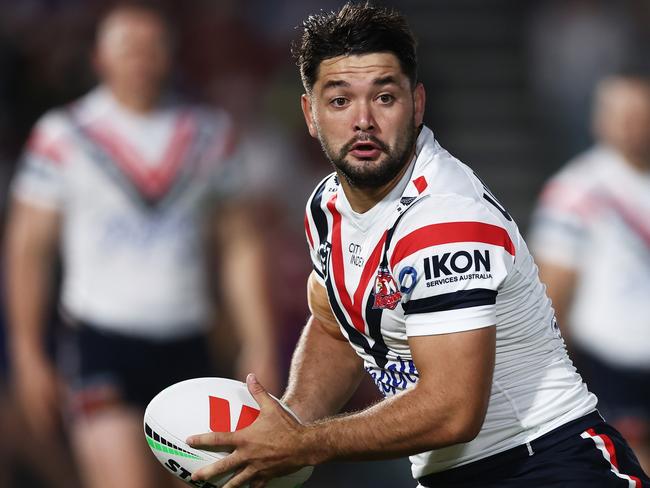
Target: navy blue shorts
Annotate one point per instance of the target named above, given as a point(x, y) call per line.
point(584, 453)
point(103, 368)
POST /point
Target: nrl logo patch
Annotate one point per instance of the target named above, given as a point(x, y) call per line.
point(324, 252)
point(386, 291)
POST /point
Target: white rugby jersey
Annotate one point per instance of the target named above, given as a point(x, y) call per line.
point(594, 217)
point(440, 255)
point(133, 191)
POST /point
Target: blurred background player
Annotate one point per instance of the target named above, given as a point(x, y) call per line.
point(501, 92)
point(591, 238)
point(140, 191)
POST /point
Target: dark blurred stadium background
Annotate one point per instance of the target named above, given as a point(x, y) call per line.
point(508, 82)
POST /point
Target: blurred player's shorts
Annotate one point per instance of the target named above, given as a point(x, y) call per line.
point(103, 368)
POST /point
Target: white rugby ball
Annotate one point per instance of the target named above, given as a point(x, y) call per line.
point(197, 406)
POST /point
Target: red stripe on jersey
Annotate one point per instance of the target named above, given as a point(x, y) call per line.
point(420, 183)
point(563, 197)
point(585, 204)
point(353, 308)
point(633, 219)
point(173, 157)
point(445, 233)
point(51, 150)
point(153, 180)
point(308, 231)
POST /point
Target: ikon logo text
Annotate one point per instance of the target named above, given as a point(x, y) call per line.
point(458, 262)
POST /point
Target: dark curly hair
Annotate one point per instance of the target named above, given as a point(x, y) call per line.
point(357, 28)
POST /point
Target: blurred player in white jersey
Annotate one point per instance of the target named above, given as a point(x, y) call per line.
point(591, 238)
point(141, 191)
point(422, 279)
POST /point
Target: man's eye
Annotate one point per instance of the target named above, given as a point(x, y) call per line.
point(385, 98)
point(338, 102)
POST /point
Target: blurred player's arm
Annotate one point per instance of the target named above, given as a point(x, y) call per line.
point(30, 256)
point(560, 284)
point(325, 370)
point(244, 289)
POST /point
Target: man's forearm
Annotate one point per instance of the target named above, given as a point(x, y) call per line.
point(28, 276)
point(411, 422)
point(325, 372)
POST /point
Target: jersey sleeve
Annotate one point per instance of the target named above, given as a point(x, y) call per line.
point(39, 179)
point(450, 271)
point(316, 231)
point(560, 222)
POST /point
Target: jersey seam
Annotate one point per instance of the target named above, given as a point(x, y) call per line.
point(512, 404)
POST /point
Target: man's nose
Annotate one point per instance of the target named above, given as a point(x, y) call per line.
point(364, 119)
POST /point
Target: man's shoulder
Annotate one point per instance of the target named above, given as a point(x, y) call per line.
point(579, 178)
point(441, 173)
point(53, 126)
point(586, 168)
point(59, 118)
point(447, 188)
point(53, 122)
point(447, 212)
point(454, 202)
point(323, 190)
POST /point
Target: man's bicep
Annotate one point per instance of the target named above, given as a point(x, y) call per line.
point(459, 353)
point(32, 227)
point(460, 366)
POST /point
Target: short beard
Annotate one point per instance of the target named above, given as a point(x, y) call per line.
point(372, 174)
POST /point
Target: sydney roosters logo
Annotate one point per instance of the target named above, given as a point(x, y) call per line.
point(387, 294)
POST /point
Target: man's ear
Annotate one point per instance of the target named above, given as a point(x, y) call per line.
point(419, 101)
point(305, 103)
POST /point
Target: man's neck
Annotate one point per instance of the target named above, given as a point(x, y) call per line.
point(639, 163)
point(135, 102)
point(363, 199)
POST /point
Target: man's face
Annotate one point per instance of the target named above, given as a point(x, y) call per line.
point(625, 118)
point(365, 114)
point(133, 53)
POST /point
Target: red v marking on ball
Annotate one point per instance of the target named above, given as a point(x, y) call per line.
point(220, 415)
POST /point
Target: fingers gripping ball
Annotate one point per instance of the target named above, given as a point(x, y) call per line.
point(202, 405)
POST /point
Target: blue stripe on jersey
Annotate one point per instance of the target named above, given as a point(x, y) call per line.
point(379, 350)
point(451, 301)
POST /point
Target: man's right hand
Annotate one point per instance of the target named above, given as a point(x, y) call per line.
point(38, 389)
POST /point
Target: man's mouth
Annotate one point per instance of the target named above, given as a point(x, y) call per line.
point(365, 150)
